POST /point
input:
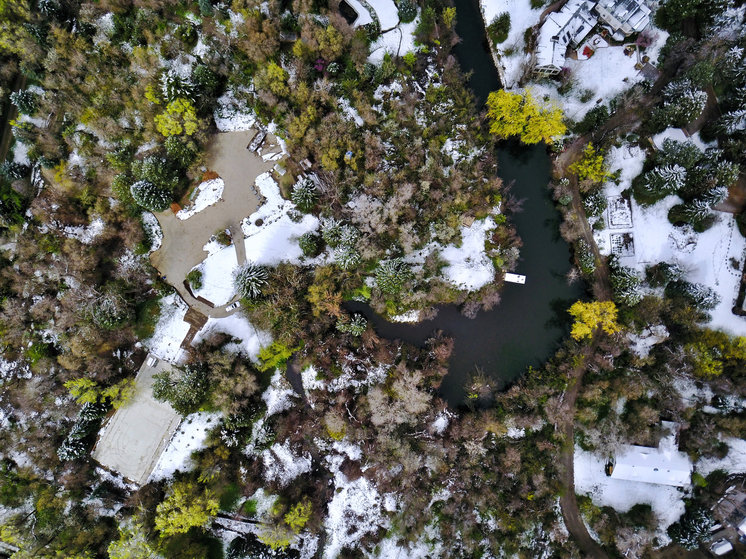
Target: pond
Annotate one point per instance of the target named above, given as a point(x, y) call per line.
point(525, 328)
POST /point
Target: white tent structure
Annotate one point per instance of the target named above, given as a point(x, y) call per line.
point(664, 465)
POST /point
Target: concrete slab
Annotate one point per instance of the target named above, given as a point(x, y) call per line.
point(135, 436)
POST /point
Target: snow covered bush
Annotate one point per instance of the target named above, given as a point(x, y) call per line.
point(309, 244)
point(586, 260)
point(626, 285)
point(175, 86)
point(87, 422)
point(696, 294)
point(356, 326)
point(595, 203)
point(685, 154)
point(499, 28)
point(693, 528)
point(715, 196)
point(343, 239)
point(111, 311)
point(26, 101)
point(663, 273)
point(304, 194)
point(681, 104)
point(347, 257)
point(407, 11)
point(249, 279)
point(331, 230)
point(186, 392)
point(391, 275)
point(150, 196)
point(665, 180)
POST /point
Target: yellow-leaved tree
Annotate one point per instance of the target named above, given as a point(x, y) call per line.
point(180, 117)
point(593, 315)
point(591, 166)
point(186, 507)
point(521, 115)
point(87, 391)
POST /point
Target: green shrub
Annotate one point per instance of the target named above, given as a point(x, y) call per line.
point(499, 28)
point(407, 11)
point(195, 279)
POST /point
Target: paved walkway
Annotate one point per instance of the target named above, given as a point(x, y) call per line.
point(183, 240)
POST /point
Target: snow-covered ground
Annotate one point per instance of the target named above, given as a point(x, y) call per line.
point(388, 14)
point(666, 501)
point(522, 16)
point(468, 265)
point(238, 326)
point(354, 511)
point(232, 115)
point(188, 438)
point(170, 330)
point(85, 234)
point(208, 193)
point(276, 239)
point(733, 463)
point(217, 276)
point(278, 395)
point(706, 257)
point(283, 465)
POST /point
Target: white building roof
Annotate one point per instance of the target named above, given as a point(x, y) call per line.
point(631, 16)
point(664, 465)
point(570, 25)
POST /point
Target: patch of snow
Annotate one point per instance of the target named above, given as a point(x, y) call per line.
point(209, 193)
point(217, 276)
point(641, 343)
point(733, 463)
point(278, 395)
point(264, 502)
point(282, 465)
point(85, 234)
point(276, 239)
point(213, 246)
point(20, 153)
point(409, 316)
point(232, 115)
point(352, 451)
point(153, 229)
point(441, 423)
point(590, 479)
point(310, 382)
point(349, 112)
point(363, 15)
point(515, 433)
point(170, 330)
point(469, 266)
point(115, 479)
point(188, 438)
point(522, 16)
point(353, 512)
point(348, 378)
point(238, 326)
point(388, 14)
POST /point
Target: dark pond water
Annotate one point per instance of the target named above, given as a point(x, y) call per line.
point(526, 326)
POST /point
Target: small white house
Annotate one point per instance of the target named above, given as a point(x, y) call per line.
point(664, 465)
point(623, 16)
point(568, 27)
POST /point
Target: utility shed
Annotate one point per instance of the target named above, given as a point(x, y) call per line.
point(568, 27)
point(664, 465)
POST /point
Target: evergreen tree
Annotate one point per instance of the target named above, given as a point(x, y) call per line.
point(733, 121)
point(249, 280)
point(26, 101)
point(715, 196)
point(356, 326)
point(347, 257)
point(391, 275)
point(185, 507)
point(13, 171)
point(697, 212)
point(111, 311)
point(331, 231)
point(696, 294)
point(156, 170)
point(595, 203)
point(309, 244)
point(175, 86)
point(304, 194)
point(150, 196)
point(407, 11)
point(684, 154)
point(682, 103)
point(626, 285)
point(665, 180)
point(186, 392)
point(692, 529)
point(663, 273)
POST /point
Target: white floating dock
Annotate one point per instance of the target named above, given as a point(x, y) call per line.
point(515, 278)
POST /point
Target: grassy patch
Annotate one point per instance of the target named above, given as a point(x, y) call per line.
point(147, 313)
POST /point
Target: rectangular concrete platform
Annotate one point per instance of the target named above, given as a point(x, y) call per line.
point(135, 436)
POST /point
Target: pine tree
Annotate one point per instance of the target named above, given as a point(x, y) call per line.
point(697, 211)
point(733, 121)
point(407, 11)
point(595, 203)
point(684, 154)
point(249, 279)
point(693, 528)
point(391, 275)
point(331, 231)
point(715, 196)
point(309, 244)
point(304, 194)
point(356, 326)
point(187, 392)
point(347, 257)
point(175, 86)
point(627, 285)
point(665, 180)
point(150, 196)
point(13, 171)
point(26, 101)
point(111, 311)
point(663, 273)
point(696, 294)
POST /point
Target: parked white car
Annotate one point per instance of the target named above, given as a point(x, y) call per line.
point(233, 306)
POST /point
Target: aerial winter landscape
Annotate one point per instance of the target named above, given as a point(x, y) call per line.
point(401, 279)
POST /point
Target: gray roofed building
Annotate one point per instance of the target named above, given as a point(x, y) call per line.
point(624, 16)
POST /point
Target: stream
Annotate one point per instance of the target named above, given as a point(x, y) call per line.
point(525, 328)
